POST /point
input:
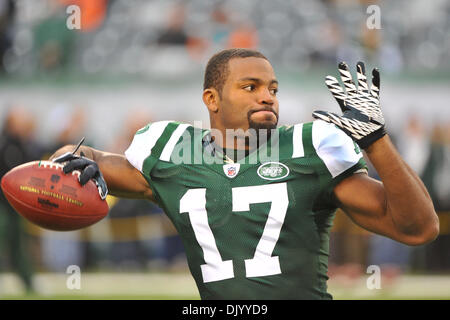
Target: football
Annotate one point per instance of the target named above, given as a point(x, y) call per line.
point(44, 195)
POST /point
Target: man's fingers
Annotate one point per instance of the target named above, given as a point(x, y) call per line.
point(328, 117)
point(362, 79)
point(91, 172)
point(336, 90)
point(77, 164)
point(322, 115)
point(102, 187)
point(346, 124)
point(346, 77)
point(88, 173)
point(375, 88)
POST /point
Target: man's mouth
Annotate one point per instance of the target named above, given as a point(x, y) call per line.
point(264, 113)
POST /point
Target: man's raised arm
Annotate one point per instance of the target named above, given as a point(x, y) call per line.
point(399, 207)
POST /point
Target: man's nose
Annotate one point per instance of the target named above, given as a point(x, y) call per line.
point(265, 97)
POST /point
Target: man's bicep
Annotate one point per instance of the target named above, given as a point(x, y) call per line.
point(359, 192)
point(363, 199)
point(122, 178)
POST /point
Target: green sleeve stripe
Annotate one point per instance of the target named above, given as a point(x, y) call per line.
point(158, 148)
point(170, 145)
point(161, 143)
point(308, 146)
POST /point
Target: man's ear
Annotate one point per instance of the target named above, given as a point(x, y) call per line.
point(211, 99)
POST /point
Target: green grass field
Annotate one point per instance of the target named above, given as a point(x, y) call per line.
point(180, 286)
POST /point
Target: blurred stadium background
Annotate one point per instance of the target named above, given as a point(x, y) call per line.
point(136, 61)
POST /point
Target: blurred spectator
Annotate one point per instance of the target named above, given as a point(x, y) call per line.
point(220, 26)
point(320, 31)
point(53, 41)
point(69, 125)
point(174, 33)
point(348, 250)
point(394, 258)
point(7, 12)
point(370, 40)
point(438, 167)
point(59, 250)
point(413, 144)
point(127, 248)
point(137, 119)
point(243, 36)
point(16, 147)
point(131, 245)
point(328, 39)
point(436, 177)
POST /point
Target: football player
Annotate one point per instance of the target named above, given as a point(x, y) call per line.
point(254, 225)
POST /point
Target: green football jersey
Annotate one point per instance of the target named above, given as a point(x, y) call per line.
point(257, 228)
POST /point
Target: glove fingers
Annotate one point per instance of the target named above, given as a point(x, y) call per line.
point(102, 187)
point(346, 77)
point(346, 124)
point(88, 173)
point(321, 115)
point(362, 79)
point(77, 164)
point(336, 90)
point(375, 89)
point(65, 157)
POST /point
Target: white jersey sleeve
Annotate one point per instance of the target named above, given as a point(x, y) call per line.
point(335, 148)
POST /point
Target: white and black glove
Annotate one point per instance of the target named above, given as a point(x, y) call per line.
point(362, 119)
point(89, 170)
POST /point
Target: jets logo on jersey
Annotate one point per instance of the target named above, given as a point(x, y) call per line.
point(231, 170)
point(272, 171)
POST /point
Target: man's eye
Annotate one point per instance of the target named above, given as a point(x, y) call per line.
point(250, 87)
point(274, 91)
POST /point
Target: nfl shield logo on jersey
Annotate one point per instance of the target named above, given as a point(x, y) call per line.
point(231, 170)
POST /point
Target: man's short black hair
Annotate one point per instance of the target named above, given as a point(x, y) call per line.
point(216, 71)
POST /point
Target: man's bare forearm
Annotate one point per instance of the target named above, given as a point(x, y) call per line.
point(122, 178)
point(407, 200)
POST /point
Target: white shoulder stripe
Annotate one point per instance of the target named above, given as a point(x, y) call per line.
point(170, 145)
point(142, 144)
point(297, 141)
point(334, 147)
